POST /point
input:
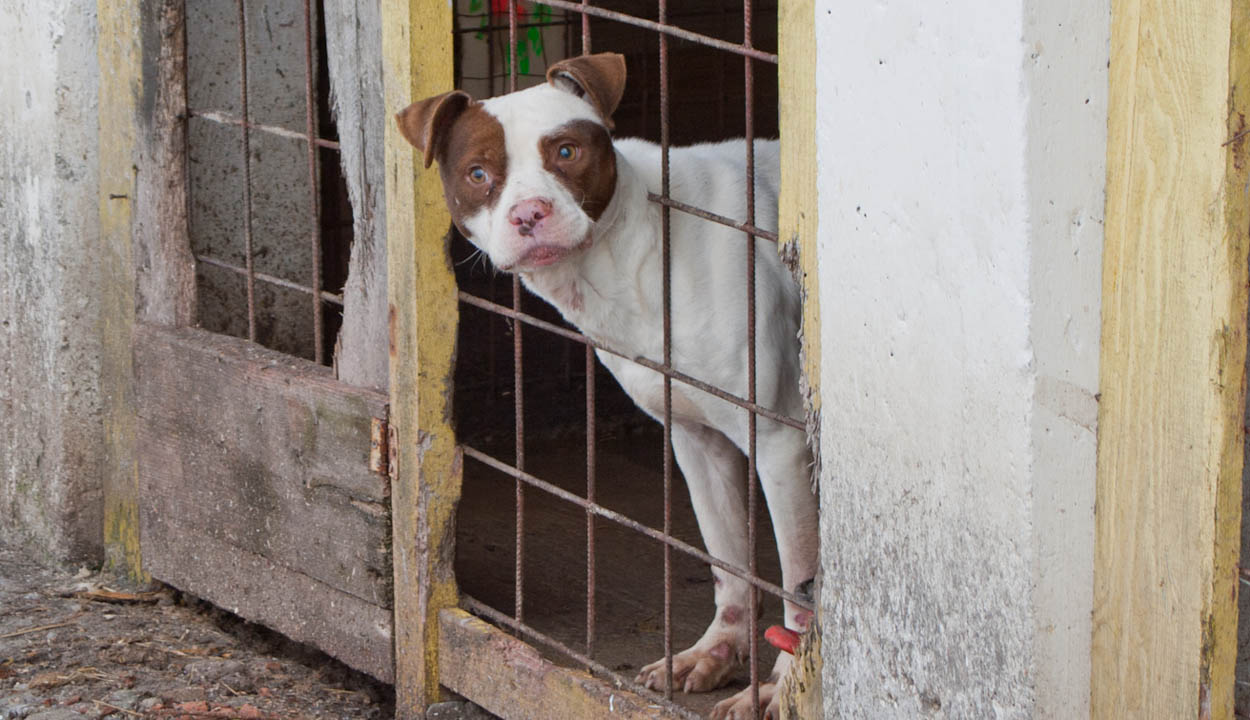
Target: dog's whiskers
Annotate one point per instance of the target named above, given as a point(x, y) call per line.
point(472, 256)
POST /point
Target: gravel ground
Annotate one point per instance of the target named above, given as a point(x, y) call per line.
point(75, 645)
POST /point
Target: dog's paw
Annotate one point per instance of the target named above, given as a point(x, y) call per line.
point(704, 667)
point(738, 707)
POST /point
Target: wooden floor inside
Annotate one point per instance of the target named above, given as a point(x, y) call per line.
point(630, 567)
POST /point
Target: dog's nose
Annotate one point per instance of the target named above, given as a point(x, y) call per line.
point(527, 213)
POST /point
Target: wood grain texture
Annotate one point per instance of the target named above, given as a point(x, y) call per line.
point(165, 266)
point(264, 452)
point(1173, 363)
point(512, 680)
point(421, 290)
point(798, 220)
point(354, 59)
point(121, 87)
point(801, 690)
point(255, 491)
point(1219, 661)
point(258, 589)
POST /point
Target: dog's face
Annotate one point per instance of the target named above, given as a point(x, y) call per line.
point(526, 175)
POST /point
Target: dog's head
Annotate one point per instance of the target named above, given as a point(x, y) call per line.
point(526, 175)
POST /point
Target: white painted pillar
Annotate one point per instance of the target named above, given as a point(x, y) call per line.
point(961, 148)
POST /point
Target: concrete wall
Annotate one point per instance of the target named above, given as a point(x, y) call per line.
point(51, 437)
point(961, 150)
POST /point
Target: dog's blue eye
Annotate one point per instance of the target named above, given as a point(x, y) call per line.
point(567, 152)
point(477, 175)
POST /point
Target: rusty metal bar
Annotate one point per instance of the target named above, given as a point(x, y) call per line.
point(490, 61)
point(474, 29)
point(512, 47)
point(271, 279)
point(585, 27)
point(745, 227)
point(481, 609)
point(616, 517)
point(247, 175)
point(752, 474)
point(518, 389)
point(590, 443)
point(667, 305)
point(313, 185)
point(590, 497)
point(223, 118)
point(665, 30)
point(496, 308)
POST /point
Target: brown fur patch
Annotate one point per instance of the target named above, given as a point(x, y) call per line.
point(599, 78)
point(475, 139)
point(591, 174)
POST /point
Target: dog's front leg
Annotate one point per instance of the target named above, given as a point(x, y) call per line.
point(715, 473)
point(785, 473)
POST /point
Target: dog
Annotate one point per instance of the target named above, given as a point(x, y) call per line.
point(536, 181)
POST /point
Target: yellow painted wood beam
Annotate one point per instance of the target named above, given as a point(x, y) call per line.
point(799, 199)
point(121, 87)
point(417, 63)
point(801, 689)
point(1168, 513)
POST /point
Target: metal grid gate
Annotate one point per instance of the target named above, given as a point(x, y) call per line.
point(519, 318)
point(315, 99)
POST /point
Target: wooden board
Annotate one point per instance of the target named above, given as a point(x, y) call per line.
point(165, 266)
point(146, 265)
point(354, 60)
point(252, 457)
point(801, 689)
point(293, 603)
point(512, 680)
point(1173, 362)
point(120, 87)
point(422, 312)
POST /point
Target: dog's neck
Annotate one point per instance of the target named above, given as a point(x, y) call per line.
point(616, 268)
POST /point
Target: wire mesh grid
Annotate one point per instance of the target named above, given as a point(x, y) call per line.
point(309, 135)
point(664, 33)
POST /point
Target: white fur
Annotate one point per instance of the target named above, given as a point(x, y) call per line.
point(612, 291)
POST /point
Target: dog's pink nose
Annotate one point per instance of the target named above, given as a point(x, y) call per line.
point(527, 213)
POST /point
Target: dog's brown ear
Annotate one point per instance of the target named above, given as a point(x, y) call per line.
point(600, 79)
point(425, 123)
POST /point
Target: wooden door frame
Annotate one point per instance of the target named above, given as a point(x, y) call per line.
point(1172, 379)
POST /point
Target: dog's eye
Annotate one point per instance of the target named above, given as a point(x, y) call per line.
point(477, 175)
point(567, 151)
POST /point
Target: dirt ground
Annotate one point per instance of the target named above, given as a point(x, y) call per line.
point(83, 645)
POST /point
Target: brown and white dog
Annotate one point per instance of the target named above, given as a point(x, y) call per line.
point(535, 180)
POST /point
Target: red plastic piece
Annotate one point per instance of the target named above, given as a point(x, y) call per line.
point(782, 638)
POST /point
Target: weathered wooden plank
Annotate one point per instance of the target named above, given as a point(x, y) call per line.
point(423, 312)
point(165, 266)
point(262, 452)
point(253, 587)
point(1173, 362)
point(121, 86)
point(145, 256)
point(512, 680)
point(801, 695)
point(354, 58)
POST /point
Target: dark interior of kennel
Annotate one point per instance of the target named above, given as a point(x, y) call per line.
point(216, 238)
point(706, 104)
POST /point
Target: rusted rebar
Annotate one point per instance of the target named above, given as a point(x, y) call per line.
point(247, 175)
